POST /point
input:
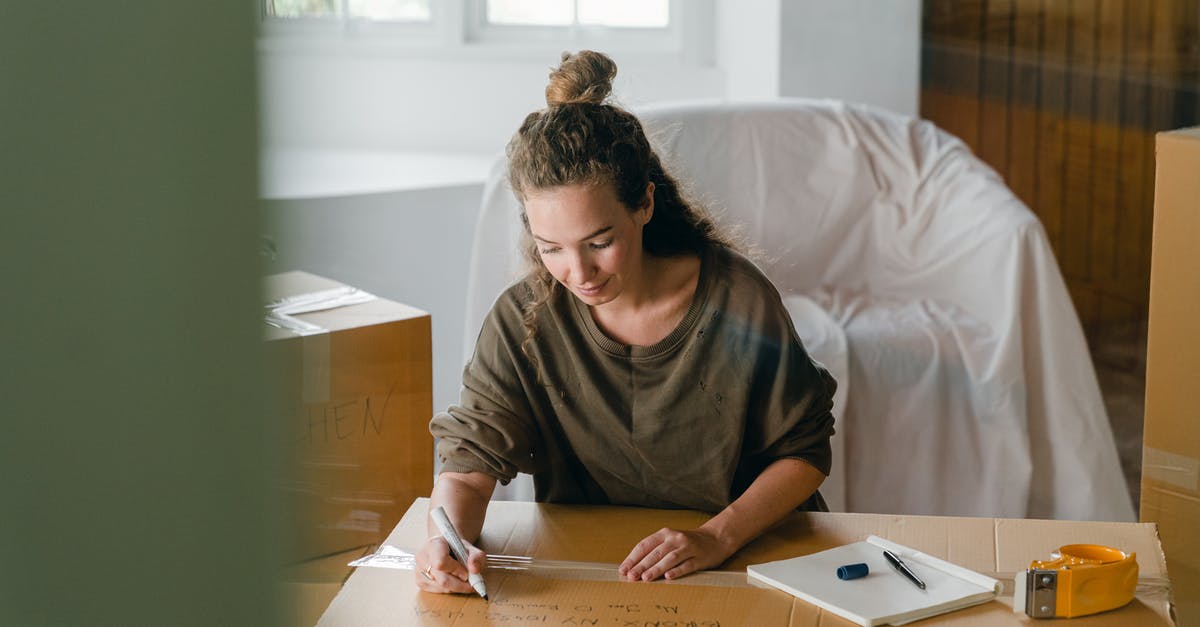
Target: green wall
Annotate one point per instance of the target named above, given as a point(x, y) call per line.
point(132, 486)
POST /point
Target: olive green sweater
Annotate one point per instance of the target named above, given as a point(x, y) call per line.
point(688, 422)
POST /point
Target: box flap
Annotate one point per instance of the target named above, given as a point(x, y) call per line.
point(377, 311)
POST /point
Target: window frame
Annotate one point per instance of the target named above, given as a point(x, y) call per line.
point(317, 31)
point(457, 29)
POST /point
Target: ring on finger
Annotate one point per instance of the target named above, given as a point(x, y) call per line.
point(426, 573)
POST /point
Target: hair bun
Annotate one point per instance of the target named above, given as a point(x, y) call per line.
point(583, 77)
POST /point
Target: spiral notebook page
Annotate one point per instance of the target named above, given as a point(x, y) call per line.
point(884, 596)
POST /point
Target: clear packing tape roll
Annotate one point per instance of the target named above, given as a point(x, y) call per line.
point(1149, 589)
point(397, 558)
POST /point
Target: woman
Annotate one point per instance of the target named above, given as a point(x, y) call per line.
point(642, 361)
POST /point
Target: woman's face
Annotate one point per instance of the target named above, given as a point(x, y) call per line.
point(587, 239)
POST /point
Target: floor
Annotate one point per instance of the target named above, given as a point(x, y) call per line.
point(1119, 354)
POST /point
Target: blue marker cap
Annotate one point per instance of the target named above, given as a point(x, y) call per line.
point(852, 571)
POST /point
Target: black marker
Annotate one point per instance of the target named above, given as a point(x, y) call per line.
point(903, 568)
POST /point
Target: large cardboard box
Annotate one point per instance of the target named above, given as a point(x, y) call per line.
point(570, 578)
point(355, 397)
point(1171, 452)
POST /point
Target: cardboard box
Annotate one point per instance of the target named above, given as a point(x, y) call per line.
point(305, 589)
point(355, 400)
point(575, 549)
point(1171, 448)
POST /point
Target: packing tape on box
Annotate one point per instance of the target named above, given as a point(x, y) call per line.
point(1149, 589)
point(281, 313)
point(314, 338)
point(1180, 471)
point(295, 325)
point(319, 301)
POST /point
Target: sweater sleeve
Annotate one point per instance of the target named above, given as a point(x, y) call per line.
point(491, 429)
point(795, 395)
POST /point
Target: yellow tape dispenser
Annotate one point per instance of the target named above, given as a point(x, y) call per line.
point(1082, 579)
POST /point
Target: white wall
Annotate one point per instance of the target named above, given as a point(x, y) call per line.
point(860, 50)
point(747, 39)
point(392, 101)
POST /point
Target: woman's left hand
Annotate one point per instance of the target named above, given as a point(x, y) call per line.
point(672, 554)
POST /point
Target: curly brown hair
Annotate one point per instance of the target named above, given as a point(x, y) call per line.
point(580, 138)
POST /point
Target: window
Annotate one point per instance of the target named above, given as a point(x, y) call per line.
point(303, 24)
point(546, 27)
point(375, 10)
point(611, 13)
point(512, 29)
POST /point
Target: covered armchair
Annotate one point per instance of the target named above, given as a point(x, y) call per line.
point(912, 273)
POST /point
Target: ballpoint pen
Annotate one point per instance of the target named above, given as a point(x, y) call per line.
point(450, 534)
point(903, 568)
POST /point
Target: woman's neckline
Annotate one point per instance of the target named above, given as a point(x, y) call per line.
point(611, 346)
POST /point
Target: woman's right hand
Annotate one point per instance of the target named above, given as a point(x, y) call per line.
point(437, 570)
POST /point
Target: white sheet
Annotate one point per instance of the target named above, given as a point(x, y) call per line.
point(968, 388)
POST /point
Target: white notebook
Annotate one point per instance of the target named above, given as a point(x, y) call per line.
point(884, 596)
